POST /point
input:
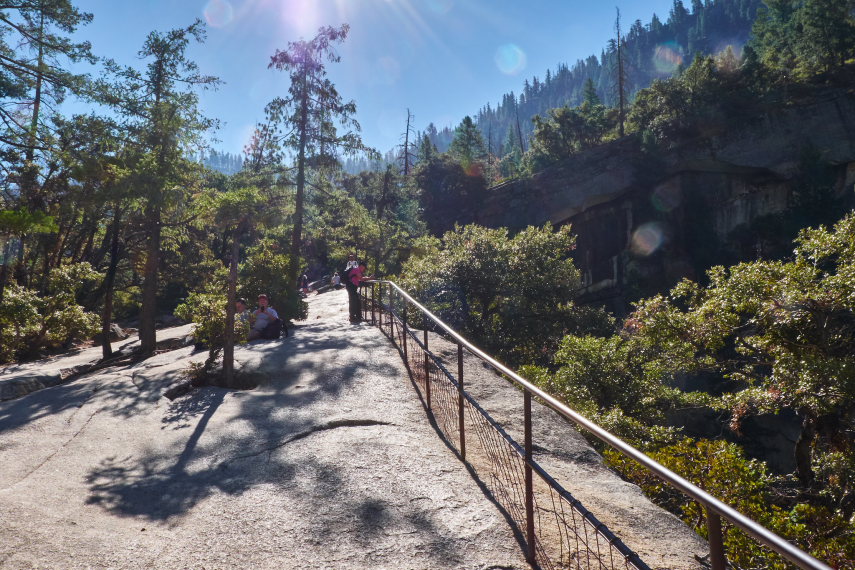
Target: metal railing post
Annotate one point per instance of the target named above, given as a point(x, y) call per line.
point(373, 305)
point(460, 401)
point(391, 317)
point(380, 307)
point(529, 482)
point(404, 318)
point(427, 370)
point(715, 539)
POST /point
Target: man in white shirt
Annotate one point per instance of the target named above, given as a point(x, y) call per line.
point(264, 315)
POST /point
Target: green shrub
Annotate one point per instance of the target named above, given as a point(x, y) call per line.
point(30, 323)
point(207, 311)
point(512, 295)
point(266, 270)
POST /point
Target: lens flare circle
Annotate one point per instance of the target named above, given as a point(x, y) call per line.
point(647, 239)
point(387, 70)
point(218, 13)
point(666, 198)
point(667, 58)
point(510, 59)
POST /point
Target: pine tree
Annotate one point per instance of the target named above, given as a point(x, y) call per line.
point(161, 108)
point(427, 150)
point(467, 147)
point(307, 114)
point(34, 49)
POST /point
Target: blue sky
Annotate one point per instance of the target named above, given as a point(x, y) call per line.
point(442, 59)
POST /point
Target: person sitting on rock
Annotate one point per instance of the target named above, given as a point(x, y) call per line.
point(265, 318)
point(242, 314)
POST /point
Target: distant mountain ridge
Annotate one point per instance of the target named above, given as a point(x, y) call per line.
point(652, 51)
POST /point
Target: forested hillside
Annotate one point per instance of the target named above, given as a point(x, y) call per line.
point(654, 50)
point(224, 162)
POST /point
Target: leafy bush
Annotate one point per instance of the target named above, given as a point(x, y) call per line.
point(513, 295)
point(266, 270)
point(30, 323)
point(208, 313)
point(721, 469)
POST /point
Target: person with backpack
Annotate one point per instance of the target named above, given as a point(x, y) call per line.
point(353, 302)
point(356, 276)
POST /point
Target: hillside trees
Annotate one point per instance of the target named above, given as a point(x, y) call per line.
point(803, 38)
point(709, 96)
point(649, 51)
point(566, 131)
point(467, 146)
point(448, 194)
point(451, 185)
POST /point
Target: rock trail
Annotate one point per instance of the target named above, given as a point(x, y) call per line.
point(330, 462)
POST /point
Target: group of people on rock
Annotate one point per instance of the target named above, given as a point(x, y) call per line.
point(264, 322)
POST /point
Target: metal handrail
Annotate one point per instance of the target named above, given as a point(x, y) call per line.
point(713, 506)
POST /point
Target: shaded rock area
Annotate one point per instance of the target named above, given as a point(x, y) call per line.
point(329, 463)
point(20, 379)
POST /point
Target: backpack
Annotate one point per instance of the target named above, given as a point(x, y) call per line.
point(274, 330)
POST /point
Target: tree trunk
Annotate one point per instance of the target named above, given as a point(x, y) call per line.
point(803, 451)
point(148, 313)
point(297, 235)
point(109, 280)
point(4, 269)
point(229, 333)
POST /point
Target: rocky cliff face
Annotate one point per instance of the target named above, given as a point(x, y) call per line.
point(645, 220)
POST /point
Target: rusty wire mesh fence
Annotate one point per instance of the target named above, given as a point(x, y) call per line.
point(554, 528)
point(557, 531)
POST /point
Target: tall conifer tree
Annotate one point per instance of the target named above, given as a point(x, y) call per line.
point(308, 115)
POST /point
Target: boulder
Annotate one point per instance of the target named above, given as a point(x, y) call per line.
point(18, 386)
point(116, 333)
point(167, 321)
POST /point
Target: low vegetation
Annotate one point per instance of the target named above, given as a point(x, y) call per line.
point(769, 337)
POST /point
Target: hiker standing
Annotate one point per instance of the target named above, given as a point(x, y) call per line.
point(354, 305)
